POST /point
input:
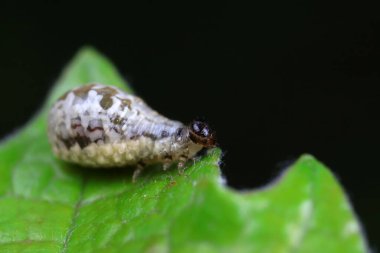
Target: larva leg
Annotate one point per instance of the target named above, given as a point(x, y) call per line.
point(166, 165)
point(195, 159)
point(167, 162)
point(139, 168)
point(181, 164)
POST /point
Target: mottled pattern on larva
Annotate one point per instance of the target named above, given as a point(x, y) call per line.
point(102, 126)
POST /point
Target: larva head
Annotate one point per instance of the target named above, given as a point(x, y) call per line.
point(201, 134)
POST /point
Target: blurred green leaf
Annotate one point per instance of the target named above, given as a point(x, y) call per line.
point(50, 206)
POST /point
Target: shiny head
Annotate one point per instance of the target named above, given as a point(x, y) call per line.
point(201, 134)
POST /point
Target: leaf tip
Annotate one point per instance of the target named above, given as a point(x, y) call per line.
point(87, 52)
point(309, 161)
point(307, 157)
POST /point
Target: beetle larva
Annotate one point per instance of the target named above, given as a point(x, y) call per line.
point(101, 126)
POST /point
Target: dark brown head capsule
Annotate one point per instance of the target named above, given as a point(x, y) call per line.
point(201, 134)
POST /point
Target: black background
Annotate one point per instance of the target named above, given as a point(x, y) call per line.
point(275, 80)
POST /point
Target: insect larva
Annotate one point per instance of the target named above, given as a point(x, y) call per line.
point(101, 126)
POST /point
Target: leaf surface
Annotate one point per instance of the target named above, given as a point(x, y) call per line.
point(50, 206)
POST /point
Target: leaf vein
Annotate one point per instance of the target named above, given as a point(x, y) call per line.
point(74, 217)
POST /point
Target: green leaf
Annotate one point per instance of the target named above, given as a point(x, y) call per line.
point(50, 206)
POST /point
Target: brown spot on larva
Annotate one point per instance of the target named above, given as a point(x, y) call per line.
point(183, 157)
point(164, 134)
point(92, 129)
point(145, 134)
point(82, 140)
point(118, 120)
point(168, 157)
point(75, 126)
point(76, 123)
point(106, 102)
point(82, 91)
point(180, 134)
point(117, 130)
point(107, 91)
point(68, 142)
point(94, 125)
point(63, 97)
point(150, 135)
point(125, 102)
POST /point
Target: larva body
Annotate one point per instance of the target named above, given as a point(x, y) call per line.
point(102, 126)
